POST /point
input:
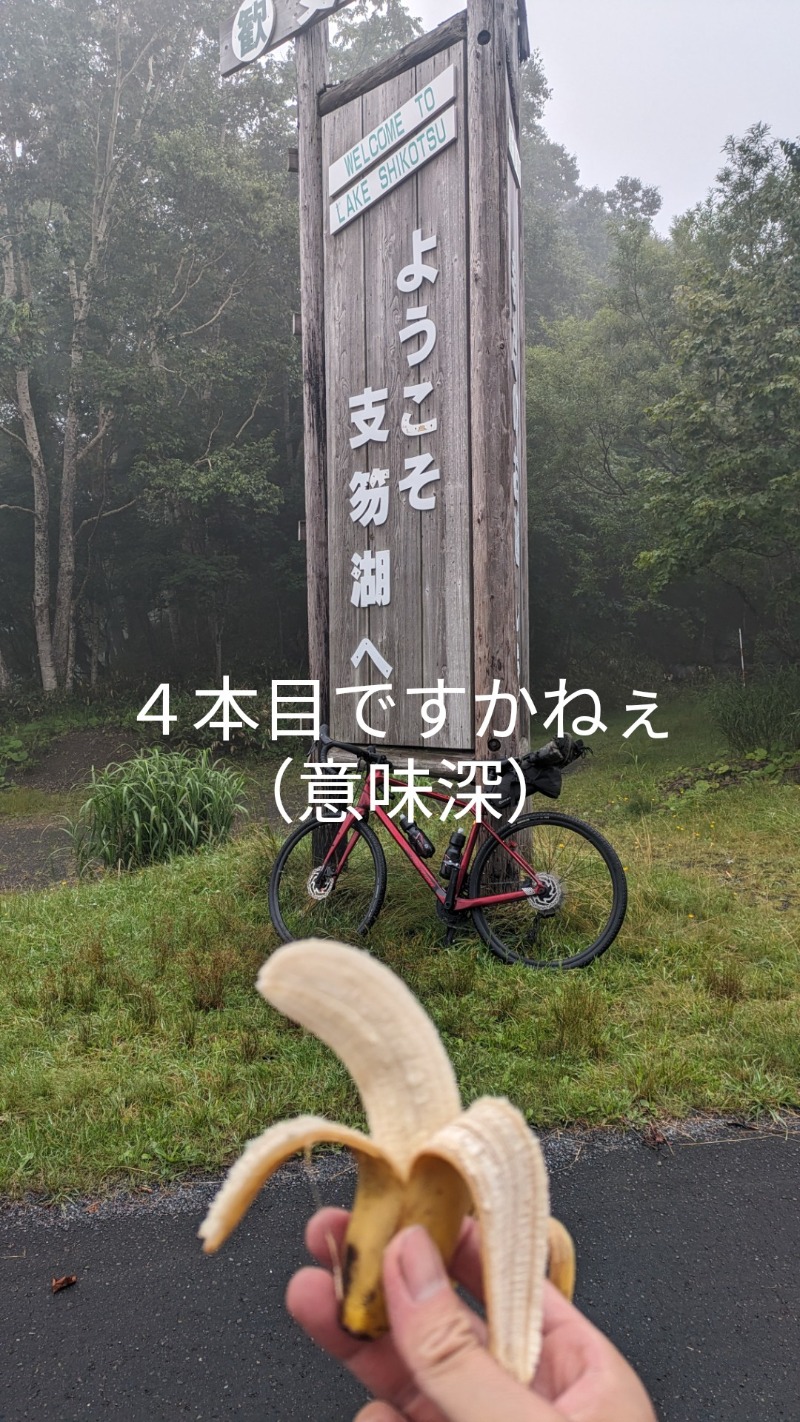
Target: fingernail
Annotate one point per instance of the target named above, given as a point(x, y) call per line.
point(421, 1264)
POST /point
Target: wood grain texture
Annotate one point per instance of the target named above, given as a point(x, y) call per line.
point(311, 56)
point(414, 53)
point(387, 248)
point(425, 630)
point(446, 541)
point(346, 367)
point(490, 354)
point(520, 455)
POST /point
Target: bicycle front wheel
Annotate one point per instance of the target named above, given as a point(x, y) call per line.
point(575, 894)
point(338, 898)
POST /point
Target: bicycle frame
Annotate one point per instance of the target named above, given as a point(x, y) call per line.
point(451, 896)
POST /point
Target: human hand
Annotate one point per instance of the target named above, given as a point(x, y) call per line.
point(434, 1365)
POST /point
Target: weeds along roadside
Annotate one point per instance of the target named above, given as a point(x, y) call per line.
point(135, 1048)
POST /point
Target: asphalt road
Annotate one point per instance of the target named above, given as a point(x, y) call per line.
point(688, 1257)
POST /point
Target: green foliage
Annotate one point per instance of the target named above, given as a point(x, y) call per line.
point(691, 784)
point(730, 499)
point(154, 807)
point(764, 712)
point(12, 752)
point(367, 32)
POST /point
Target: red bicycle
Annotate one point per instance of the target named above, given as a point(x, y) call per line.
point(547, 891)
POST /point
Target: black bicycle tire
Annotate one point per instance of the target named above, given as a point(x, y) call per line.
point(295, 838)
point(612, 862)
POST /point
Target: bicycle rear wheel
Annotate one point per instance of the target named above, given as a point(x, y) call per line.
point(576, 913)
point(339, 898)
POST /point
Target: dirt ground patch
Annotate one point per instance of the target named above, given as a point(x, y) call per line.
point(35, 853)
point(67, 762)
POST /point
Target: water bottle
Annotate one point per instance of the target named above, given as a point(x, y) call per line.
point(452, 854)
point(417, 839)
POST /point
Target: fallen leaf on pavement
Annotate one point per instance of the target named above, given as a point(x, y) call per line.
point(65, 1282)
point(653, 1137)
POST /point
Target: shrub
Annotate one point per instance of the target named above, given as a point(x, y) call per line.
point(154, 807)
point(765, 712)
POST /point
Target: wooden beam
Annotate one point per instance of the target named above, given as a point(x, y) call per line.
point(523, 39)
point(490, 342)
point(425, 47)
point(311, 56)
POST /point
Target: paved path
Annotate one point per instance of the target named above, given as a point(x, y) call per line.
point(688, 1256)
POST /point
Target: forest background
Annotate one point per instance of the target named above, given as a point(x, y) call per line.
point(151, 463)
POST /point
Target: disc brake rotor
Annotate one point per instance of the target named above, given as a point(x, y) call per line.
point(547, 897)
point(320, 884)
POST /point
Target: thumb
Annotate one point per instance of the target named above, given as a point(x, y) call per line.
point(438, 1339)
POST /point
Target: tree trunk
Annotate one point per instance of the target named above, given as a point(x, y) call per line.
point(64, 623)
point(41, 536)
point(5, 676)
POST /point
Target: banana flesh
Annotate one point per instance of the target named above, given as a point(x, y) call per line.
point(425, 1160)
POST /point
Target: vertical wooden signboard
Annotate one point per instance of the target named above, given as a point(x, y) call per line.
point(413, 367)
point(424, 315)
point(399, 507)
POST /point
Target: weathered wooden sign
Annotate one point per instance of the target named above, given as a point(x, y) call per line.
point(394, 169)
point(398, 398)
point(259, 26)
point(413, 368)
point(392, 130)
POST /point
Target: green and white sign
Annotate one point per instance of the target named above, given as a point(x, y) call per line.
point(259, 26)
point(387, 135)
point(253, 25)
point(394, 169)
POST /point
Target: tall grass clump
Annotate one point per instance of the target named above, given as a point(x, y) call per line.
point(765, 712)
point(153, 807)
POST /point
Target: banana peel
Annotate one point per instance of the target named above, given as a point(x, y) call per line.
point(425, 1161)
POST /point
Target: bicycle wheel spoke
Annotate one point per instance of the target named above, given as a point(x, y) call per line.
point(338, 898)
point(576, 893)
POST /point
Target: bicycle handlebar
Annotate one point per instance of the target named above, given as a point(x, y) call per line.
point(369, 754)
point(561, 751)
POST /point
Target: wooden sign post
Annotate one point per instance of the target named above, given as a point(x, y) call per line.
point(413, 369)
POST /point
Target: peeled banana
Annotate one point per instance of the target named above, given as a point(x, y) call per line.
point(425, 1161)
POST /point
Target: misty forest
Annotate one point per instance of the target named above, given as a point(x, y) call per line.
point(151, 461)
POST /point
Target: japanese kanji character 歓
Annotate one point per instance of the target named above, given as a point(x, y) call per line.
point(252, 32)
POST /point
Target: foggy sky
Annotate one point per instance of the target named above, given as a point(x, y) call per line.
point(651, 88)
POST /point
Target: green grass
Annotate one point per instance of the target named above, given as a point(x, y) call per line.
point(133, 1047)
point(19, 802)
point(158, 805)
